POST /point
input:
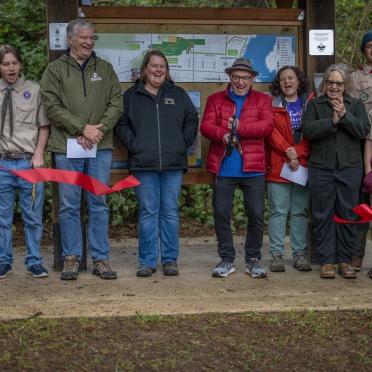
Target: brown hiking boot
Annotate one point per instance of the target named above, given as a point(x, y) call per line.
point(70, 268)
point(327, 271)
point(346, 271)
point(170, 269)
point(145, 271)
point(356, 262)
point(102, 268)
point(369, 274)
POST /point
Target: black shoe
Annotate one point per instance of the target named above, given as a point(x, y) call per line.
point(5, 269)
point(145, 271)
point(170, 269)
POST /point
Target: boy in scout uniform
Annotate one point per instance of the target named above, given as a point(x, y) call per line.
point(24, 132)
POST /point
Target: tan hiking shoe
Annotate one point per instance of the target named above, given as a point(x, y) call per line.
point(70, 268)
point(103, 269)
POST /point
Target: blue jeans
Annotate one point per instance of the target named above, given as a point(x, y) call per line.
point(284, 199)
point(98, 211)
point(158, 222)
point(32, 217)
point(253, 189)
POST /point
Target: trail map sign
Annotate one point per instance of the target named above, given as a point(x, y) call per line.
point(197, 57)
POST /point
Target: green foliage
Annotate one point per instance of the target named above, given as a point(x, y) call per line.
point(123, 206)
point(353, 20)
point(24, 27)
point(196, 201)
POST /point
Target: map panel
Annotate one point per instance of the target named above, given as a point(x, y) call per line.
point(197, 57)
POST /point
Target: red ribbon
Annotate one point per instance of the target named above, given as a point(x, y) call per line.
point(74, 178)
point(362, 210)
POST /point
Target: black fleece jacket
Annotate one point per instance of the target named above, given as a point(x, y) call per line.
point(157, 132)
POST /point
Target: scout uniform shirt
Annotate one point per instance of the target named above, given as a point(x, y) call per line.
point(362, 80)
point(28, 116)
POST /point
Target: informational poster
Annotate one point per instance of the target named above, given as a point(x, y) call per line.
point(321, 42)
point(197, 57)
point(57, 36)
point(194, 152)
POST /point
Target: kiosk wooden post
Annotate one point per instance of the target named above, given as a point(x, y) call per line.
point(62, 11)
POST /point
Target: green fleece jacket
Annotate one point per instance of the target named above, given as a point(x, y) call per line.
point(73, 98)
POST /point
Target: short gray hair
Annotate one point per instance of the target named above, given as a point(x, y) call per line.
point(344, 71)
point(77, 24)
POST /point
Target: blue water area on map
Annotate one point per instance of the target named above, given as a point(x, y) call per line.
point(259, 48)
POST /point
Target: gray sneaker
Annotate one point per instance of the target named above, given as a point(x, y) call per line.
point(70, 268)
point(276, 263)
point(254, 269)
point(224, 269)
point(102, 268)
point(301, 263)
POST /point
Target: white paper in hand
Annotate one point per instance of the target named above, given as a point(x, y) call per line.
point(299, 176)
point(76, 151)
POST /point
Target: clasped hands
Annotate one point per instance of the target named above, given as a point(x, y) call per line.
point(338, 109)
point(90, 136)
point(292, 156)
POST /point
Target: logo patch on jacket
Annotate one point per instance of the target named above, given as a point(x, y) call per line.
point(26, 95)
point(95, 77)
point(169, 101)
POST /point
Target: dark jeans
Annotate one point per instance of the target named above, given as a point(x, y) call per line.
point(254, 203)
point(334, 192)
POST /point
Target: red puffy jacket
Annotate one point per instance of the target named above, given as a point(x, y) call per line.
point(255, 123)
point(280, 140)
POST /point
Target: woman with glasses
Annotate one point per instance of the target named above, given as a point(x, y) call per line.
point(335, 123)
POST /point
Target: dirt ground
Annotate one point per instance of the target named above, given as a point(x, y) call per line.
point(194, 291)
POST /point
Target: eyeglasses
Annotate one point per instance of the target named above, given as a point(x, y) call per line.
point(339, 84)
point(236, 78)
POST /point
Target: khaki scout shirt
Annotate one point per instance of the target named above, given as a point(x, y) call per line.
point(362, 80)
point(28, 116)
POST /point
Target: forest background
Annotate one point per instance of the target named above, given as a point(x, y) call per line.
point(23, 25)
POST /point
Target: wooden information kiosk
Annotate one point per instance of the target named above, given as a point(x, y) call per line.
point(287, 23)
